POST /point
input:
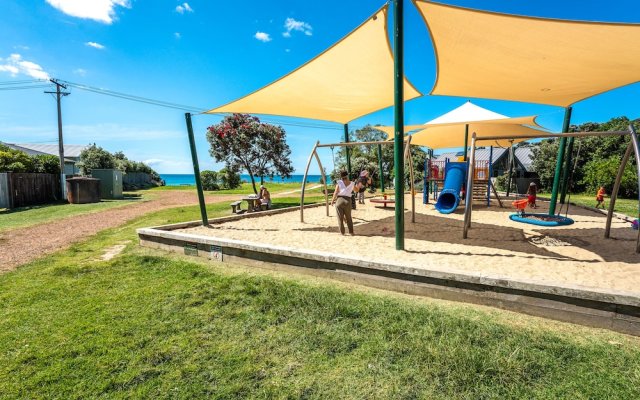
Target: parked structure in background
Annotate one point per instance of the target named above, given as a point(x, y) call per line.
point(71, 153)
point(110, 182)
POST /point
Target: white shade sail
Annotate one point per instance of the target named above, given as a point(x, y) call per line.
point(448, 130)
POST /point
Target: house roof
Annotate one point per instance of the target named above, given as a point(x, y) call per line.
point(525, 156)
point(482, 154)
point(70, 150)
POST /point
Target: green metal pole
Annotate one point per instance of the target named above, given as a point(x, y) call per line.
point(559, 160)
point(567, 169)
point(466, 141)
point(196, 170)
point(348, 151)
point(398, 144)
point(380, 167)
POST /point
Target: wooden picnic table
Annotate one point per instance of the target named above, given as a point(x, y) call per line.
point(384, 202)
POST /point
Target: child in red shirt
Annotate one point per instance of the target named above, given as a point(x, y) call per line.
point(532, 194)
point(600, 197)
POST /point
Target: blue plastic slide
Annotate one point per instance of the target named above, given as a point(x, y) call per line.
point(449, 198)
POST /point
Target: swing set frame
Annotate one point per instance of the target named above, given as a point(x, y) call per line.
point(633, 146)
point(407, 158)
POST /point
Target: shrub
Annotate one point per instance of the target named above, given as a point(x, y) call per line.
point(95, 157)
point(209, 180)
point(229, 178)
point(46, 164)
point(602, 172)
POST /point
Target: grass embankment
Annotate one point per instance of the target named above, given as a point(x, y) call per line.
point(33, 215)
point(623, 206)
point(143, 325)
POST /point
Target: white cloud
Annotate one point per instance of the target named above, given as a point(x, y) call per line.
point(291, 25)
point(95, 45)
point(184, 7)
point(15, 65)
point(177, 35)
point(80, 71)
point(262, 36)
point(21, 47)
point(97, 10)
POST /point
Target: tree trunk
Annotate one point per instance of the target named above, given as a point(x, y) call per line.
point(253, 182)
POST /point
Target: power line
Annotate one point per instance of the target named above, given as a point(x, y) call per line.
point(160, 103)
point(183, 107)
point(24, 87)
point(135, 98)
point(22, 82)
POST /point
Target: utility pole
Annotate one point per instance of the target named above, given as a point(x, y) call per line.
point(59, 95)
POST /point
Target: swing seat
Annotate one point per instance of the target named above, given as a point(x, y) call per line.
point(521, 204)
point(541, 219)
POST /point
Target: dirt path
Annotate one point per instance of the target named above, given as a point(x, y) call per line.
point(19, 246)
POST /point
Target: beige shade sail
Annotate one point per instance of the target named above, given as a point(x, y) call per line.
point(352, 78)
point(448, 130)
point(547, 61)
point(452, 135)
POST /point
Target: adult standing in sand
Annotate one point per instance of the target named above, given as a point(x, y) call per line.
point(342, 200)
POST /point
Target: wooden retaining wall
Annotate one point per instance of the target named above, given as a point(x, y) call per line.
point(22, 189)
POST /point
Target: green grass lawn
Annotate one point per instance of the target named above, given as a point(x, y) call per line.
point(624, 206)
point(146, 325)
point(28, 216)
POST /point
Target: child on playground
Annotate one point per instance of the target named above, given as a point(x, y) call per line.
point(600, 197)
point(532, 193)
point(365, 180)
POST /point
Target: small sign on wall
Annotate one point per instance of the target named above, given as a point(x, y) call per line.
point(216, 253)
point(191, 249)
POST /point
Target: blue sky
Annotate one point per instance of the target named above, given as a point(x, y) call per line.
point(206, 53)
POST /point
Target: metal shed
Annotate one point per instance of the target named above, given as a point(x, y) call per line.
point(110, 182)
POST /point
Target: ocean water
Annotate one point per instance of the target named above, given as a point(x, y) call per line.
point(190, 179)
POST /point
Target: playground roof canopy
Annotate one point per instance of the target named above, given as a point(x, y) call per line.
point(352, 78)
point(508, 57)
point(448, 130)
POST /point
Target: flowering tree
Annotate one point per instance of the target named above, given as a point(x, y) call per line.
point(245, 143)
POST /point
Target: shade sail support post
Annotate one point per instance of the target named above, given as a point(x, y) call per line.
point(559, 161)
point(425, 184)
point(466, 141)
point(490, 173)
point(380, 167)
point(398, 66)
point(347, 150)
point(196, 170)
point(304, 179)
point(469, 191)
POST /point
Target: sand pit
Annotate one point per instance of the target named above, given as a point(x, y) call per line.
point(570, 256)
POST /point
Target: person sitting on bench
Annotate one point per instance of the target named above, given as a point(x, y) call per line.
point(265, 197)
